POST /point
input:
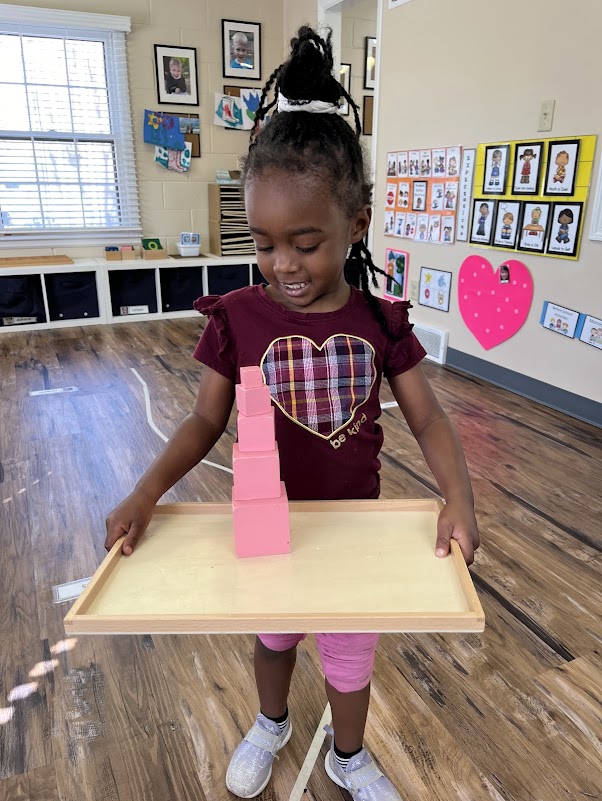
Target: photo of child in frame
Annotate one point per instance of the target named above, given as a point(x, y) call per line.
point(241, 50)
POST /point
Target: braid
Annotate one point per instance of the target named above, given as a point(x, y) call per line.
point(321, 146)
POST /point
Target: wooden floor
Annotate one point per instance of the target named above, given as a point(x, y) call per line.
point(512, 715)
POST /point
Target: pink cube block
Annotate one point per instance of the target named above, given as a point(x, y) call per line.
point(256, 475)
point(253, 400)
point(251, 377)
point(262, 528)
point(257, 433)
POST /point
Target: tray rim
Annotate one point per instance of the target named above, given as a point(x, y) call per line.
point(78, 622)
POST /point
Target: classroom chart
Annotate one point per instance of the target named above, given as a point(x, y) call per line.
point(531, 195)
point(422, 194)
point(435, 288)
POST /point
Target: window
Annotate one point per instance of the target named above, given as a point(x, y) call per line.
point(67, 171)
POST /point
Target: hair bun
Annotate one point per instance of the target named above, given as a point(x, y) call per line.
point(307, 75)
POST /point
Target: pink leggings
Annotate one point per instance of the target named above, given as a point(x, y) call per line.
point(347, 659)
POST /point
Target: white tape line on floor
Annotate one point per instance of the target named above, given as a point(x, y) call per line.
point(158, 432)
point(312, 755)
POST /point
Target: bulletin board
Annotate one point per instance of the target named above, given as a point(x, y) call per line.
point(530, 195)
point(422, 194)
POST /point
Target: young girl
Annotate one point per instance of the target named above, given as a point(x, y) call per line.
point(324, 349)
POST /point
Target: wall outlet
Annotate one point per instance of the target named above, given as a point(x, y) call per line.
point(413, 290)
point(546, 115)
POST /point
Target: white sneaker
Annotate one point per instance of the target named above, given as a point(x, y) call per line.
point(250, 768)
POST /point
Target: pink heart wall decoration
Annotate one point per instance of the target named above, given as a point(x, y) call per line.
point(492, 310)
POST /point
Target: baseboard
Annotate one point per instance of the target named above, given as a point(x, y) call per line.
point(590, 411)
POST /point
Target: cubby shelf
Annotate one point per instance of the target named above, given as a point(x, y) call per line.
point(94, 291)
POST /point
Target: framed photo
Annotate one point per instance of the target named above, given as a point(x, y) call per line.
point(496, 169)
point(370, 63)
point(241, 49)
point(533, 227)
point(434, 289)
point(368, 115)
point(565, 228)
point(396, 267)
point(419, 195)
point(176, 71)
point(483, 214)
point(506, 224)
point(563, 160)
point(345, 81)
point(528, 158)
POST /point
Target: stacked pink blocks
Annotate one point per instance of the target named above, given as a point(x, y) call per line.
point(259, 500)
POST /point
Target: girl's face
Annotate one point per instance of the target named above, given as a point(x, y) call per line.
point(302, 236)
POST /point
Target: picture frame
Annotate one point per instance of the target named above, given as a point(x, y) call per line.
point(370, 63)
point(483, 215)
point(190, 126)
point(241, 49)
point(177, 75)
point(528, 162)
point(563, 164)
point(506, 225)
point(419, 195)
point(345, 81)
point(495, 177)
point(533, 227)
point(368, 115)
point(397, 263)
point(565, 229)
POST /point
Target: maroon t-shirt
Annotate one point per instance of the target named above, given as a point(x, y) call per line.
point(324, 373)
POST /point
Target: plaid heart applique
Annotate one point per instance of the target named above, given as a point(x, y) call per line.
point(320, 387)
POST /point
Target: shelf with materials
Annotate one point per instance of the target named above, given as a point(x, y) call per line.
point(161, 289)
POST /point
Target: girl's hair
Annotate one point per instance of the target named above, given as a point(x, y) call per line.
point(323, 147)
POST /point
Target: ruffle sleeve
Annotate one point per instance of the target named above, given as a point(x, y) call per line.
point(216, 347)
point(406, 351)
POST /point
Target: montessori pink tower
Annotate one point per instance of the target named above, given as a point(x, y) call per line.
point(259, 500)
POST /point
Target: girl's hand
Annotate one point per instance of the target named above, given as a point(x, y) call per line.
point(457, 521)
point(129, 519)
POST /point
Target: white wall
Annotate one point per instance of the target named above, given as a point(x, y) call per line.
point(466, 72)
point(171, 202)
point(357, 22)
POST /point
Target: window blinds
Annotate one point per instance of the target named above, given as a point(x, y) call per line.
point(67, 168)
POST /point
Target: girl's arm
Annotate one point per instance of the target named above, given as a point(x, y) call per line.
point(189, 444)
point(443, 452)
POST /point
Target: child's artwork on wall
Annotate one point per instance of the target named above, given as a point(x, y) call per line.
point(396, 267)
point(389, 223)
point(228, 111)
point(563, 161)
point(483, 214)
point(400, 223)
point(419, 195)
point(163, 129)
point(506, 223)
point(589, 330)
point(534, 227)
point(540, 171)
point(402, 164)
point(565, 228)
point(528, 159)
point(435, 289)
point(250, 104)
point(175, 160)
point(496, 169)
point(493, 305)
point(559, 319)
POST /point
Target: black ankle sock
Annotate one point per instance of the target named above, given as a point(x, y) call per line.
point(345, 754)
point(281, 719)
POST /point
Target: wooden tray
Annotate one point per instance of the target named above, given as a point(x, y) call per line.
point(33, 261)
point(354, 566)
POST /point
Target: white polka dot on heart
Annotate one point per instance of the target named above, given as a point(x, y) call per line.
point(476, 314)
point(507, 300)
point(516, 311)
point(501, 327)
point(479, 292)
point(465, 297)
point(524, 286)
point(493, 291)
point(486, 330)
point(498, 308)
point(474, 275)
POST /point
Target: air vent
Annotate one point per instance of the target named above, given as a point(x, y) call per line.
point(433, 341)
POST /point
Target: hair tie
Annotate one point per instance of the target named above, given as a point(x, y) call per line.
point(310, 106)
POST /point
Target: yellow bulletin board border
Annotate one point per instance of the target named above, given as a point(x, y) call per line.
point(587, 150)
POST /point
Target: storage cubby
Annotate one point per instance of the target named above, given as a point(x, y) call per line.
point(135, 290)
point(224, 279)
point(72, 296)
point(180, 287)
point(21, 300)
